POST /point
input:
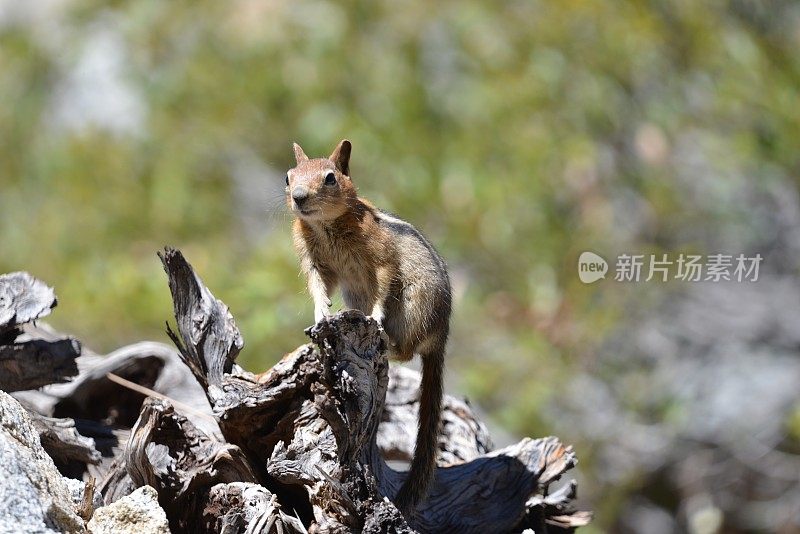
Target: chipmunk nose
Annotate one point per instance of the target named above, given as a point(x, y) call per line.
point(300, 194)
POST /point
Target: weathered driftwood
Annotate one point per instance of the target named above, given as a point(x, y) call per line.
point(211, 339)
point(62, 441)
point(168, 452)
point(104, 410)
point(34, 496)
point(246, 507)
point(311, 423)
point(299, 448)
point(33, 363)
point(93, 395)
point(23, 298)
point(553, 512)
point(36, 363)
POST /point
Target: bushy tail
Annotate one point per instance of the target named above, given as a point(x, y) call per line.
point(423, 465)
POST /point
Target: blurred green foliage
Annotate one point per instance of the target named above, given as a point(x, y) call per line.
point(514, 134)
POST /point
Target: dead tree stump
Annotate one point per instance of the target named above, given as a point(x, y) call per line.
point(299, 448)
point(308, 428)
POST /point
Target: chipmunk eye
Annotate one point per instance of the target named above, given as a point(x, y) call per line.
point(330, 179)
point(287, 179)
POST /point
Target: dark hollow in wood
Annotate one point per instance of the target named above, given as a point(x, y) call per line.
point(62, 441)
point(105, 411)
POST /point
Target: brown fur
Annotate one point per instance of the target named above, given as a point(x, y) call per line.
point(384, 268)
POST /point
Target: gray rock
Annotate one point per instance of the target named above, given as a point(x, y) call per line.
point(137, 513)
point(34, 497)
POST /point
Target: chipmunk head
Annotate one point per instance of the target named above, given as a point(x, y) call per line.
point(320, 189)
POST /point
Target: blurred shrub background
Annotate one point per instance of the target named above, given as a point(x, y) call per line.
point(515, 135)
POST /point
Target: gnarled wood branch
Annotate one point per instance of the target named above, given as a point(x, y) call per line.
point(211, 339)
point(166, 451)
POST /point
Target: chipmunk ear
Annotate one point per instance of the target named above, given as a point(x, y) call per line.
point(341, 156)
point(299, 155)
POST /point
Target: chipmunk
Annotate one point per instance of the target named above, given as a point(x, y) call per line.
point(386, 269)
